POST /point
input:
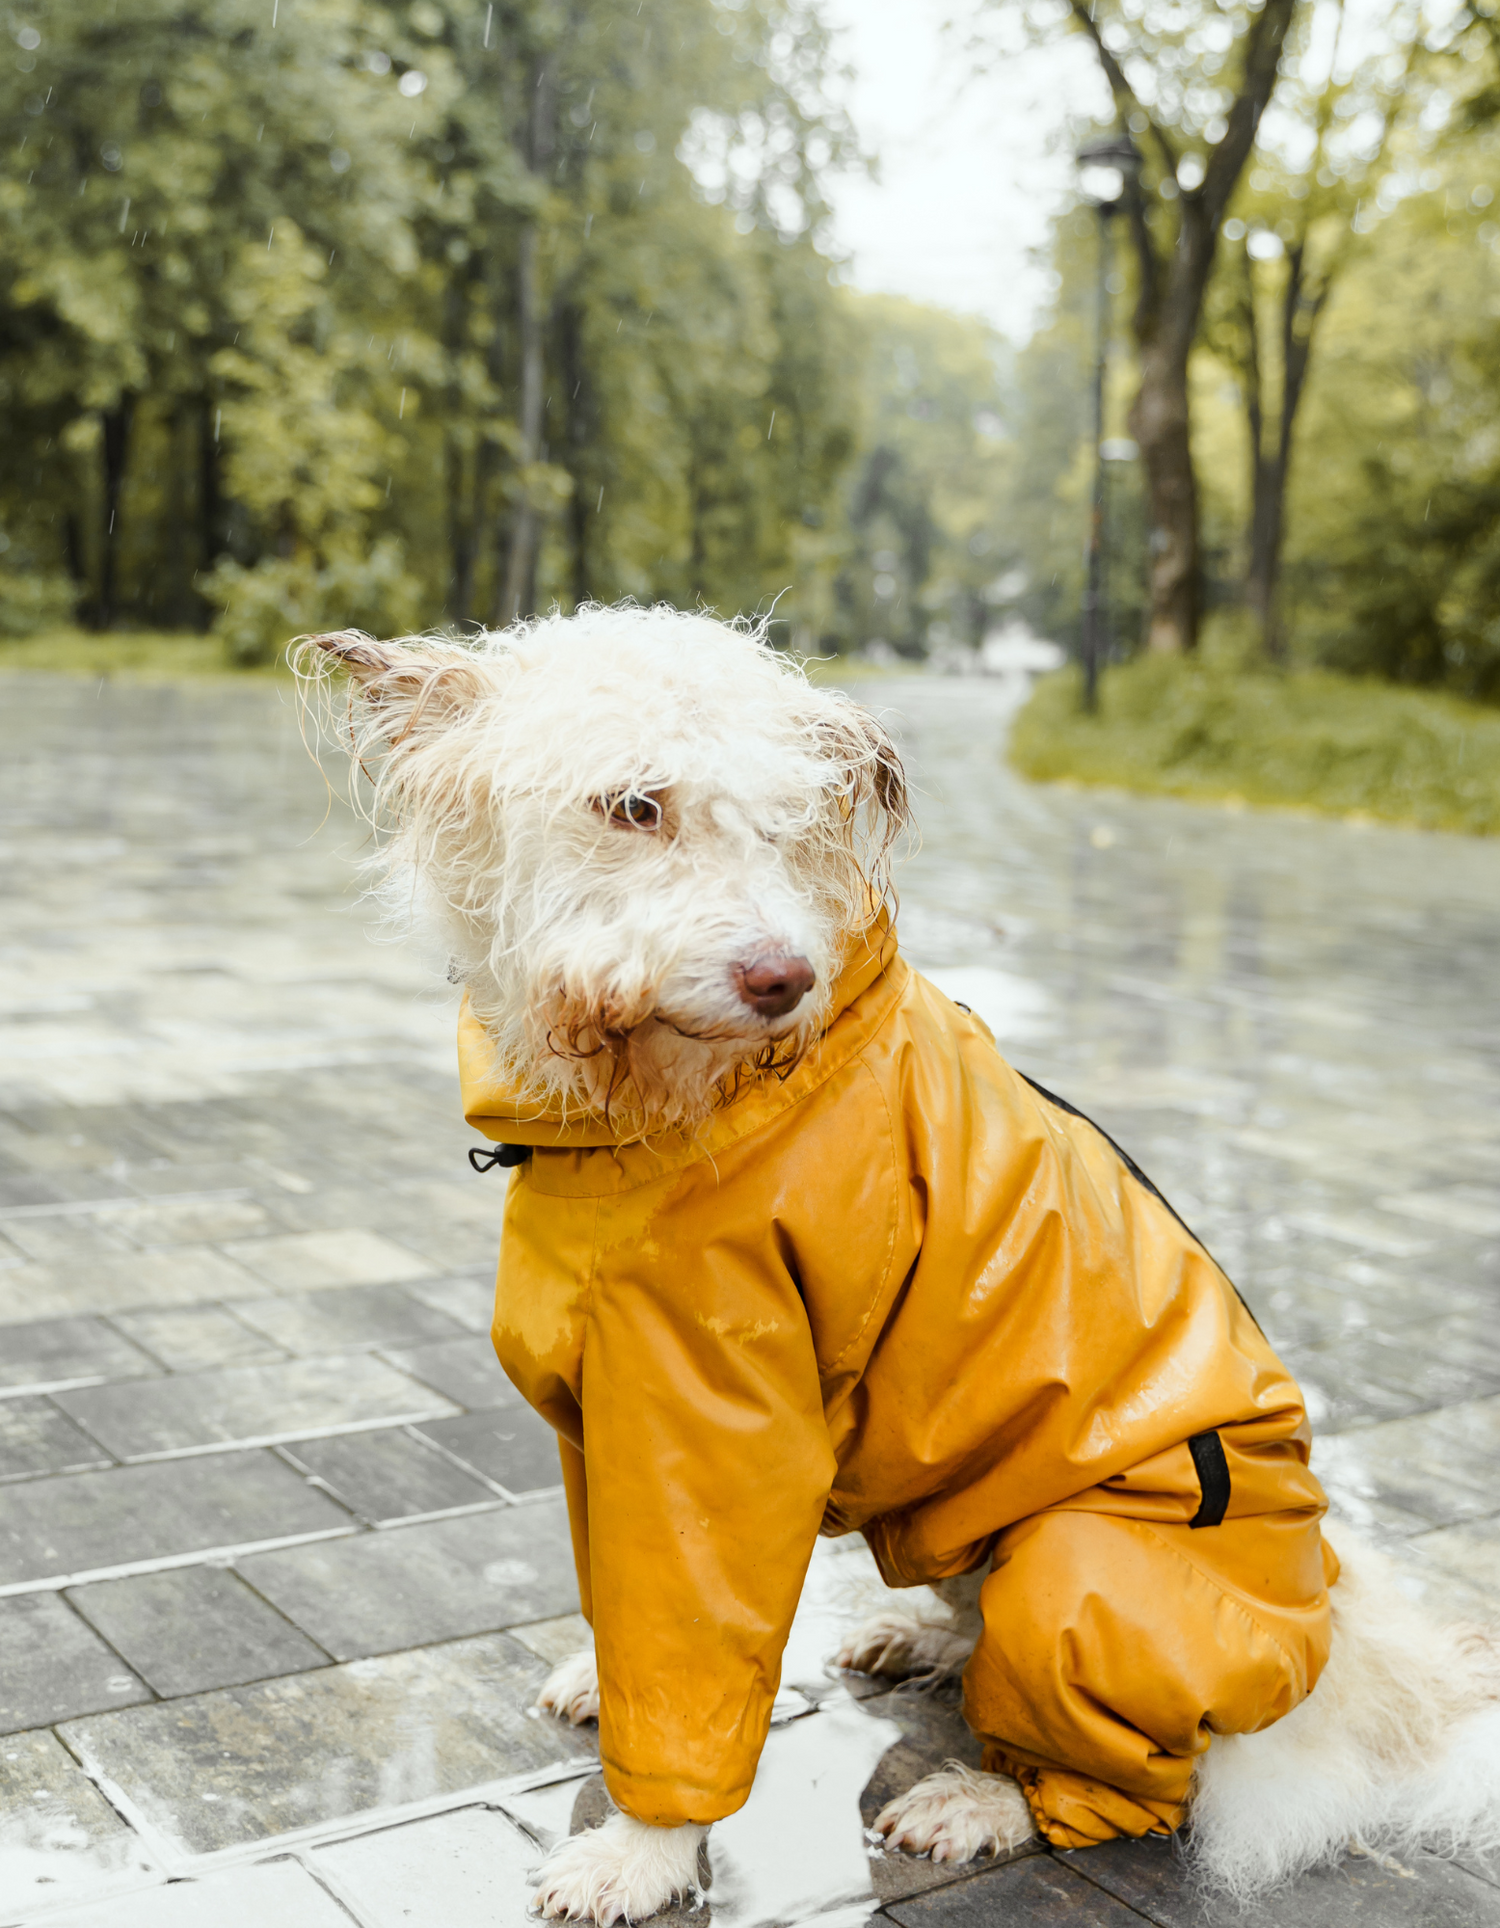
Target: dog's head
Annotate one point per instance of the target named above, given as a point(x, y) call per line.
point(644, 838)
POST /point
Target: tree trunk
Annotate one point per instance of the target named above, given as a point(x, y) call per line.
point(179, 596)
point(115, 452)
point(580, 409)
point(1168, 310)
point(1299, 315)
point(1159, 423)
point(77, 560)
point(461, 523)
point(210, 498)
point(518, 595)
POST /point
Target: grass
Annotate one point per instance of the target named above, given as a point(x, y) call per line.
point(1304, 740)
point(149, 656)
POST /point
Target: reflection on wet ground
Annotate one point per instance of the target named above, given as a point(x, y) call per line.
point(281, 1562)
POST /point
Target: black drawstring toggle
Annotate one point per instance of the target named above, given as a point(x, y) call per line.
point(485, 1158)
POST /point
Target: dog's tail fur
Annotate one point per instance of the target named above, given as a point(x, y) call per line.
point(1397, 1749)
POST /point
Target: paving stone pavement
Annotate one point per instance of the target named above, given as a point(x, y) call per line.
point(281, 1559)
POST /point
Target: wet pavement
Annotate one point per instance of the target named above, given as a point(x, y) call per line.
point(281, 1560)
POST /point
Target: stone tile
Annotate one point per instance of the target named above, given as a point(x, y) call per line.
point(300, 1261)
point(289, 1754)
point(1150, 1878)
point(70, 1238)
point(52, 1353)
point(389, 1476)
point(450, 1244)
point(250, 1404)
point(282, 1892)
point(1471, 1551)
point(465, 1369)
point(470, 1302)
point(797, 1846)
point(171, 1178)
point(61, 1843)
point(346, 1319)
point(515, 1448)
point(465, 1870)
point(413, 1585)
point(56, 1666)
point(112, 1282)
point(186, 1221)
point(1411, 1464)
point(929, 1729)
point(36, 1438)
point(554, 1640)
point(20, 1191)
point(194, 1628)
point(196, 1338)
point(1035, 1892)
point(89, 1524)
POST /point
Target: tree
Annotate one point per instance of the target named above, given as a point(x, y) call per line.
point(1163, 68)
point(156, 147)
point(928, 529)
point(358, 310)
point(1297, 222)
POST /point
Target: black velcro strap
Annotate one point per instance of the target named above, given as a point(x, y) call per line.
point(485, 1158)
point(1207, 1450)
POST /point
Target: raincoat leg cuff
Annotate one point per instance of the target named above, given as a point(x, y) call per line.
point(1074, 1811)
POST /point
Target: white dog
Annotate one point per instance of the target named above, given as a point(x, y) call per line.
point(654, 854)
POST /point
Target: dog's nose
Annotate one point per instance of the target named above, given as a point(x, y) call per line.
point(776, 983)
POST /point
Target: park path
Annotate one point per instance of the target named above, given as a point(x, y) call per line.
point(281, 1561)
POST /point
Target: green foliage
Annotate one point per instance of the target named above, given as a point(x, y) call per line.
point(927, 506)
point(1395, 549)
point(1306, 740)
point(271, 277)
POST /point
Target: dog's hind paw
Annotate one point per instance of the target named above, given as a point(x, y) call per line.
point(572, 1688)
point(902, 1647)
point(956, 1814)
point(624, 1870)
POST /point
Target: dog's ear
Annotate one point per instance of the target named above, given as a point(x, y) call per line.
point(870, 775)
point(412, 688)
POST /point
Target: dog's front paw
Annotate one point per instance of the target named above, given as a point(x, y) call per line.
point(622, 1871)
point(572, 1688)
point(902, 1647)
point(956, 1814)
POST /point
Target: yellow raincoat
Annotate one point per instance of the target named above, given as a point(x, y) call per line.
point(906, 1292)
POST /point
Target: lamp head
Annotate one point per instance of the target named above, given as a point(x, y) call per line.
point(1107, 169)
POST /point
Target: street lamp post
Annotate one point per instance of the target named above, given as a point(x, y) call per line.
point(1108, 170)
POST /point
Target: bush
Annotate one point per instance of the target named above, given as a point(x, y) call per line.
point(31, 600)
point(1309, 740)
point(264, 607)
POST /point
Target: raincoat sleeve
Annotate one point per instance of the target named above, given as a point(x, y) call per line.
point(708, 1466)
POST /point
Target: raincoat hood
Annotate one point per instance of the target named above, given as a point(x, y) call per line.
point(503, 1113)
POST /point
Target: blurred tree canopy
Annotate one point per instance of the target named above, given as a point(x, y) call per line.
point(350, 311)
point(1344, 381)
point(325, 311)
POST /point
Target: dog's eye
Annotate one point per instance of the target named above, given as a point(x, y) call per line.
point(633, 810)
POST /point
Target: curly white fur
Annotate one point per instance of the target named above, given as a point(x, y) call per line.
point(600, 958)
point(1397, 1748)
point(571, 1690)
point(957, 1814)
point(623, 1870)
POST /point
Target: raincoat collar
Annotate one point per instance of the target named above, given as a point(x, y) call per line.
point(495, 1108)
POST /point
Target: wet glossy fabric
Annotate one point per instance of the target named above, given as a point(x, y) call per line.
point(899, 1292)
